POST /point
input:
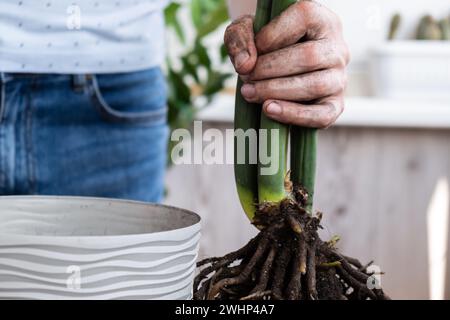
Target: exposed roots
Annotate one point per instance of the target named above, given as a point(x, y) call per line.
point(286, 261)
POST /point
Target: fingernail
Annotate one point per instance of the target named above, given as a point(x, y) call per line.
point(273, 108)
point(248, 91)
point(241, 58)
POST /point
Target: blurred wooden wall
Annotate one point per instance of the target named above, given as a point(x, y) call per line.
point(374, 187)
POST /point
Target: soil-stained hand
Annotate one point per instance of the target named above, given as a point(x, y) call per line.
point(295, 66)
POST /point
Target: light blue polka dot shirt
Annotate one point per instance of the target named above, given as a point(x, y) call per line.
point(83, 36)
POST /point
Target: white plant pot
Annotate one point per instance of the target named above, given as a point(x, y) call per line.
point(411, 69)
point(85, 248)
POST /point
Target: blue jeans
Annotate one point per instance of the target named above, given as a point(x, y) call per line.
point(84, 135)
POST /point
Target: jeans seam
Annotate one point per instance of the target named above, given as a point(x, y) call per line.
point(151, 117)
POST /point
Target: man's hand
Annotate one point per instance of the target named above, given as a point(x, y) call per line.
point(295, 66)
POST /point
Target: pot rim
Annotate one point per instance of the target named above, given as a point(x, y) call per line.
point(29, 238)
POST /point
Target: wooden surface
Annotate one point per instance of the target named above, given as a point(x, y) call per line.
point(374, 187)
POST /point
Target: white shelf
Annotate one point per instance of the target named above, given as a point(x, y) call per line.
point(361, 111)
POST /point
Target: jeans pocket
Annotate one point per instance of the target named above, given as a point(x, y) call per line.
point(131, 98)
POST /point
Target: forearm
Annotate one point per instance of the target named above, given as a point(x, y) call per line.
point(238, 8)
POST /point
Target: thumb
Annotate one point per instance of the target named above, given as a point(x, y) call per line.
point(240, 43)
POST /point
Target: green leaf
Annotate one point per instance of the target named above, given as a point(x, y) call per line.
point(177, 87)
point(202, 53)
point(215, 83)
point(207, 16)
point(172, 20)
point(210, 5)
point(190, 68)
point(223, 53)
point(214, 20)
point(181, 115)
point(196, 13)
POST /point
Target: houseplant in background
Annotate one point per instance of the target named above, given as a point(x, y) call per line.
point(287, 259)
point(192, 77)
point(415, 66)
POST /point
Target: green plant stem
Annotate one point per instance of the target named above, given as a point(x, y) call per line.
point(303, 161)
point(247, 117)
point(303, 141)
point(278, 6)
point(271, 188)
point(262, 16)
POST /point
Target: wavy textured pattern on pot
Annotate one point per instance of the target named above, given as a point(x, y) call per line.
point(121, 249)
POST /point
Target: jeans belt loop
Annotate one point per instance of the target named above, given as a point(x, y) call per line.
point(80, 82)
point(3, 77)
